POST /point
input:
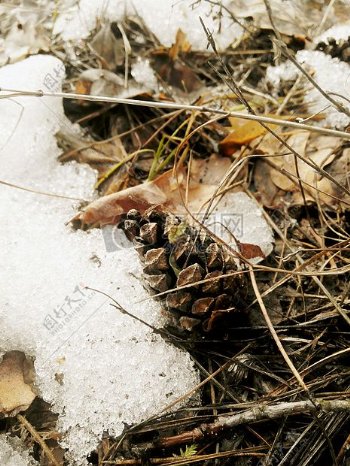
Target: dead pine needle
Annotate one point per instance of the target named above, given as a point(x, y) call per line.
point(38, 439)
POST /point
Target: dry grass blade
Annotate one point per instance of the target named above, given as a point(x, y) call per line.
point(176, 106)
point(42, 193)
point(38, 439)
point(274, 333)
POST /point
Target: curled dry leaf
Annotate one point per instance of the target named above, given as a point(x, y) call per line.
point(167, 191)
point(283, 169)
point(181, 45)
point(173, 70)
point(241, 133)
point(108, 48)
point(235, 218)
point(108, 209)
point(16, 383)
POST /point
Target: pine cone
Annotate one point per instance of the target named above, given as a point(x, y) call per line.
point(174, 257)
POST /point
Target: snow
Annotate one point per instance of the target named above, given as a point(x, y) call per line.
point(238, 214)
point(13, 453)
point(276, 75)
point(331, 74)
point(163, 18)
point(100, 369)
point(143, 74)
point(337, 32)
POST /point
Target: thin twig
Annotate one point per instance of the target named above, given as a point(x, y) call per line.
point(274, 333)
point(176, 106)
point(43, 193)
point(37, 437)
point(255, 414)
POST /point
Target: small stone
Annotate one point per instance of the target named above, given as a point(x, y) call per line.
point(190, 274)
point(202, 305)
point(149, 233)
point(156, 260)
point(179, 300)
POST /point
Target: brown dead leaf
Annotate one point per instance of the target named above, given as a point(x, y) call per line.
point(16, 383)
point(250, 251)
point(320, 149)
point(82, 86)
point(266, 190)
point(211, 170)
point(242, 134)
point(179, 75)
point(166, 191)
point(181, 45)
point(340, 170)
point(173, 70)
point(107, 209)
point(109, 49)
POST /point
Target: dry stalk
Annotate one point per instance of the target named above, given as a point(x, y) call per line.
point(255, 414)
point(38, 439)
point(175, 106)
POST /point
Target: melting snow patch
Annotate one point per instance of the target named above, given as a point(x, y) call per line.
point(143, 74)
point(12, 453)
point(336, 32)
point(163, 18)
point(236, 214)
point(330, 73)
point(99, 368)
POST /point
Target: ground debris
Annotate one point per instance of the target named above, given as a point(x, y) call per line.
point(242, 229)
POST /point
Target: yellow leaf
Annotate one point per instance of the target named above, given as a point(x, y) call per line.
point(241, 135)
